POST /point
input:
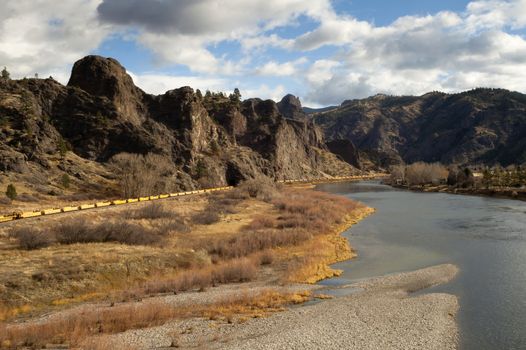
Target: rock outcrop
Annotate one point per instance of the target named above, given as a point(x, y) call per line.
point(482, 126)
point(290, 107)
point(210, 140)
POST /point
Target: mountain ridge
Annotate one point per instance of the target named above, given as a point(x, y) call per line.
point(483, 125)
point(49, 130)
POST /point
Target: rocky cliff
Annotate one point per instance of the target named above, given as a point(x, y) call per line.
point(48, 130)
point(479, 126)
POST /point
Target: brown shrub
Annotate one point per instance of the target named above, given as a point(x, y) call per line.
point(172, 224)
point(206, 217)
point(266, 257)
point(31, 237)
point(252, 242)
point(79, 231)
point(312, 210)
point(75, 327)
point(5, 201)
point(223, 204)
point(261, 222)
point(149, 211)
point(124, 232)
point(75, 231)
point(262, 188)
point(237, 270)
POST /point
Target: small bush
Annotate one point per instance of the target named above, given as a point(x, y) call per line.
point(266, 257)
point(79, 231)
point(124, 232)
point(11, 192)
point(65, 181)
point(252, 242)
point(172, 224)
point(206, 217)
point(5, 201)
point(150, 211)
point(76, 231)
point(30, 238)
point(262, 188)
point(236, 270)
point(261, 222)
point(223, 204)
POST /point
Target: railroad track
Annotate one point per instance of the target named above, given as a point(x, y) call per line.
point(104, 204)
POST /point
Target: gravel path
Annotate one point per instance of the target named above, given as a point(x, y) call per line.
point(382, 314)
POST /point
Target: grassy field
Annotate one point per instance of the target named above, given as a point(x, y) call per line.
point(123, 256)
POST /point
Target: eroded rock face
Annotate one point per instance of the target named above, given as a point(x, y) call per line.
point(105, 77)
point(290, 107)
point(101, 113)
point(479, 126)
point(346, 150)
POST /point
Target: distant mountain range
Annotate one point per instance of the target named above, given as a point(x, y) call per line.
point(486, 126)
point(48, 130)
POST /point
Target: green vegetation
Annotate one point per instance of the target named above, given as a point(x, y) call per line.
point(65, 181)
point(11, 192)
point(62, 147)
point(5, 74)
point(511, 176)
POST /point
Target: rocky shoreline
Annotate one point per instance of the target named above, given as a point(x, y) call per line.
point(381, 313)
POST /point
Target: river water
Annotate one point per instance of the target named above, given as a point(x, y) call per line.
point(485, 237)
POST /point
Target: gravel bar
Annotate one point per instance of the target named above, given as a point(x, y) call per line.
point(381, 314)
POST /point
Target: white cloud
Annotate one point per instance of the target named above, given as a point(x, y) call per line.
point(414, 54)
point(265, 92)
point(273, 68)
point(158, 84)
point(38, 36)
point(179, 31)
point(417, 54)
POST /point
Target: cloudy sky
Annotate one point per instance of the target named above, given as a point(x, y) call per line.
point(320, 50)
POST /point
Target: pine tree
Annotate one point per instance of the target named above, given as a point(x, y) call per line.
point(65, 180)
point(5, 74)
point(11, 192)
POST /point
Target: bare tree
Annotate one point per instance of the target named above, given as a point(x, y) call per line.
point(398, 173)
point(141, 175)
point(421, 173)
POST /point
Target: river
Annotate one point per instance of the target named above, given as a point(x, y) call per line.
point(485, 237)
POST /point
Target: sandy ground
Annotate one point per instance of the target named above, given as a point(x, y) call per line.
point(381, 313)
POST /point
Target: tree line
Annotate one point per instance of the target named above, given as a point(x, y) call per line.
point(421, 173)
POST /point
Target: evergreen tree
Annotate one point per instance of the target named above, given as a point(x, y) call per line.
point(235, 98)
point(65, 181)
point(5, 74)
point(11, 192)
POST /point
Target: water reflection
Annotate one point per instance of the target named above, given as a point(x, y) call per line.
point(485, 237)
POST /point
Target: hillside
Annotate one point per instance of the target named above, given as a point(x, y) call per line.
point(48, 130)
point(479, 126)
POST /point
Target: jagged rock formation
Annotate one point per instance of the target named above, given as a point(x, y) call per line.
point(479, 126)
point(217, 140)
point(290, 107)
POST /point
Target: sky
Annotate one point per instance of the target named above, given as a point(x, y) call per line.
point(322, 51)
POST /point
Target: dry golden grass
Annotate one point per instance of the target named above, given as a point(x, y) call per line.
point(74, 328)
point(295, 234)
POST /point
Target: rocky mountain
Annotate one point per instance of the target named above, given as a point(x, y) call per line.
point(48, 130)
point(480, 126)
point(290, 107)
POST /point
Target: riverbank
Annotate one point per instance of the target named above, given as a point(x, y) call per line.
point(519, 194)
point(270, 239)
point(381, 314)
